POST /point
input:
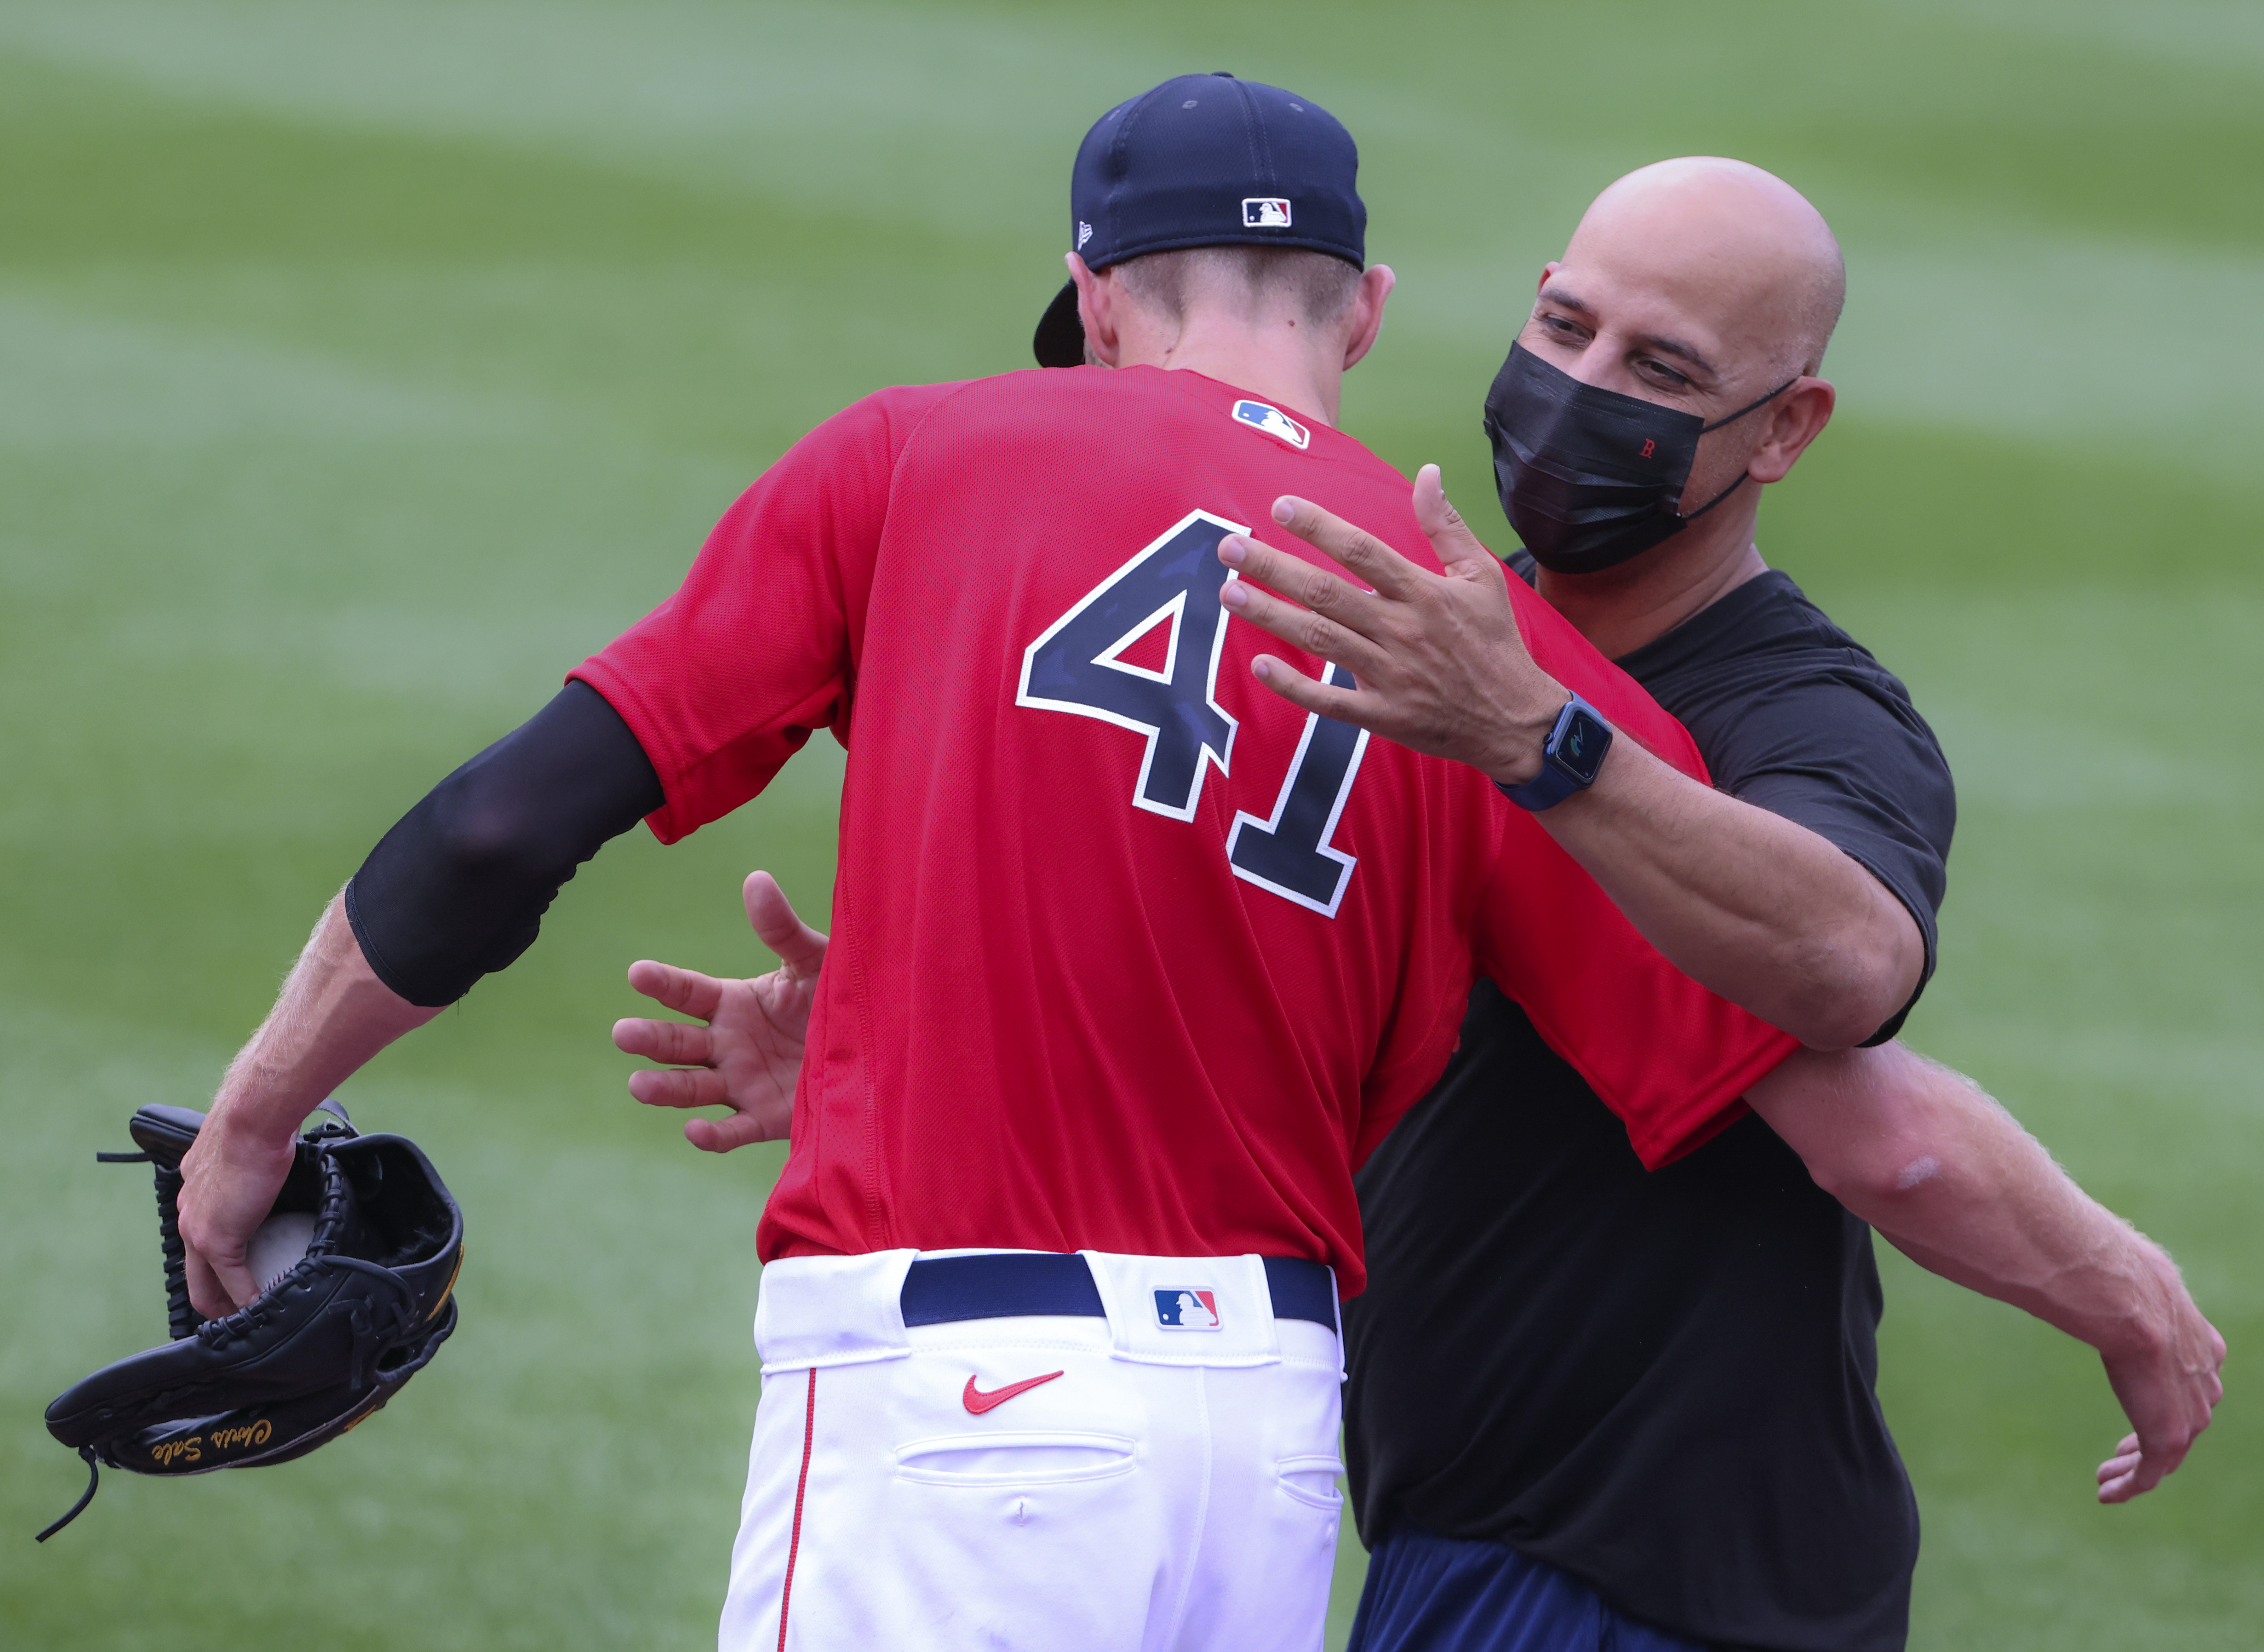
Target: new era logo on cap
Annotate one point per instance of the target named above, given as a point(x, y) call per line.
point(1265, 212)
point(1186, 1309)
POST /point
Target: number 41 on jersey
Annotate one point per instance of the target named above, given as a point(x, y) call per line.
point(1079, 665)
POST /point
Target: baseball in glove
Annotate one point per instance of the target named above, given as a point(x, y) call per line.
point(330, 1339)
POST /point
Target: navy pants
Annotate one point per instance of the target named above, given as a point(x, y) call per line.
point(1434, 1594)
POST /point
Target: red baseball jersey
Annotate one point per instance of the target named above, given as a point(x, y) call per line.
point(1128, 953)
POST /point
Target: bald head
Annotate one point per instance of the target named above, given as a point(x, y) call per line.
point(1738, 250)
point(1710, 288)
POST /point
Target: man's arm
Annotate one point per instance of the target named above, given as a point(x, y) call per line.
point(455, 890)
point(332, 1016)
point(1767, 913)
point(1925, 1157)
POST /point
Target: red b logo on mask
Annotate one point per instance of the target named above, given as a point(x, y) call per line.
point(1649, 448)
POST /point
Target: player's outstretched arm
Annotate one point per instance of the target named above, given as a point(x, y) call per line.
point(747, 1053)
point(331, 1016)
point(1769, 915)
point(1928, 1158)
point(456, 889)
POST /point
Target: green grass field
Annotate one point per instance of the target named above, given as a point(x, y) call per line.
point(361, 368)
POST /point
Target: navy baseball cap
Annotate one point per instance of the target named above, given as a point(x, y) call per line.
point(1206, 161)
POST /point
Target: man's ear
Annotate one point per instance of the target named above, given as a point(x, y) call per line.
point(1096, 308)
point(1375, 284)
point(1797, 417)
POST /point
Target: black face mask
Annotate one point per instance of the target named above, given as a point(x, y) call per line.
point(1590, 477)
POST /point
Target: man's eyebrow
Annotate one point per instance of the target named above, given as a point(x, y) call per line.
point(1563, 298)
point(1675, 348)
point(1553, 293)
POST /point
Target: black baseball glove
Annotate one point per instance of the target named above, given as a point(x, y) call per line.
point(328, 1342)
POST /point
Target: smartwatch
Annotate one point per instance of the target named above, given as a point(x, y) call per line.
point(1570, 758)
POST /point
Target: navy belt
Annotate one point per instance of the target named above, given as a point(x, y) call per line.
point(1007, 1284)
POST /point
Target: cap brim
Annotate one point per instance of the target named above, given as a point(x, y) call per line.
point(1059, 341)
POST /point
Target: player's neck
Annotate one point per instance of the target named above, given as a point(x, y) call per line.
point(1282, 360)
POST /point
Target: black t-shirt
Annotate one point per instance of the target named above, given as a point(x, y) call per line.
point(1661, 1383)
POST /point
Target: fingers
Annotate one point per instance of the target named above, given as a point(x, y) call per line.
point(207, 1295)
point(1326, 698)
point(1307, 587)
point(2120, 1478)
point(1459, 550)
point(2153, 1452)
point(2120, 1488)
point(678, 1043)
point(218, 1286)
point(1360, 552)
point(1305, 628)
point(687, 992)
point(2114, 1474)
point(2120, 1475)
point(779, 927)
point(721, 1135)
point(680, 1087)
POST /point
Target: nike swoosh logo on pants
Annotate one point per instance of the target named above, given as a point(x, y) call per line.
point(978, 1402)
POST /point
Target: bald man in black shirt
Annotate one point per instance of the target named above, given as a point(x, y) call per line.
point(1592, 1407)
point(1699, 1445)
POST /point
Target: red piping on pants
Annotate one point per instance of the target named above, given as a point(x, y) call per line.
point(794, 1546)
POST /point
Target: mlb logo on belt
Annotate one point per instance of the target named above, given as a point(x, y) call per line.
point(1186, 1309)
point(1273, 422)
point(1262, 214)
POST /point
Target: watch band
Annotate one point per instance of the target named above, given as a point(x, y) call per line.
point(1557, 780)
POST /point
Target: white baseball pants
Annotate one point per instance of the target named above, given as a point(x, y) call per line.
point(1043, 1483)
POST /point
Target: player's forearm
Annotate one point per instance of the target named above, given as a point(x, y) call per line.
point(1765, 911)
point(1948, 1176)
point(331, 1016)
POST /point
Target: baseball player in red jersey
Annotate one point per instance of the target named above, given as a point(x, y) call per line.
point(1132, 960)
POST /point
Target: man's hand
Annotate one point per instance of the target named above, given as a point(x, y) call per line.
point(2168, 1384)
point(228, 1185)
point(748, 1055)
point(1437, 658)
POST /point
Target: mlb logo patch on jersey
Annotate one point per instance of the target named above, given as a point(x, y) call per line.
point(1273, 422)
point(1187, 1310)
point(1265, 214)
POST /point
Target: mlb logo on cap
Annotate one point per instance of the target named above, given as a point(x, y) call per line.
point(1260, 213)
point(1186, 1309)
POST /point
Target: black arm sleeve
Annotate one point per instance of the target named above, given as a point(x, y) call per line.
point(457, 888)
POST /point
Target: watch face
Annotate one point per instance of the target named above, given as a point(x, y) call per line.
point(1580, 748)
